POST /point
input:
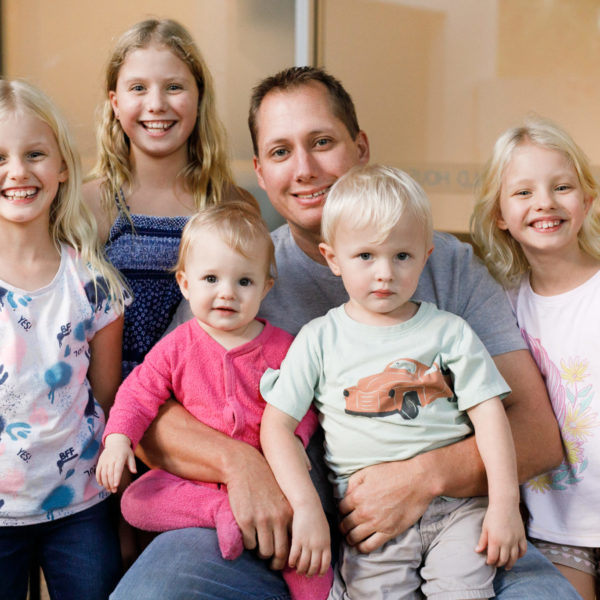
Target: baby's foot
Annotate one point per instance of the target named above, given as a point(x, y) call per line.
point(302, 587)
point(228, 533)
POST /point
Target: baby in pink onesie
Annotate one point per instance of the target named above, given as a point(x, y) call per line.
point(212, 365)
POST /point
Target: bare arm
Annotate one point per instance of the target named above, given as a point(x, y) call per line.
point(179, 443)
point(104, 372)
point(310, 551)
point(530, 414)
point(384, 500)
point(502, 532)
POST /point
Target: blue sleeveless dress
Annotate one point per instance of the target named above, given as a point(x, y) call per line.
point(145, 256)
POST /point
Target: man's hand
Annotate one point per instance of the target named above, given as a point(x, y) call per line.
point(180, 444)
point(382, 501)
point(260, 508)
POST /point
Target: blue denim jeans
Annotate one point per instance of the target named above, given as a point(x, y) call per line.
point(79, 555)
point(533, 576)
point(186, 564)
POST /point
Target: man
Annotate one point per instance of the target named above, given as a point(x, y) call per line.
point(306, 135)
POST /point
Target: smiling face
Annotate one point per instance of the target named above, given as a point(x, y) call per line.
point(303, 148)
point(224, 287)
point(31, 169)
point(542, 203)
point(156, 102)
point(380, 278)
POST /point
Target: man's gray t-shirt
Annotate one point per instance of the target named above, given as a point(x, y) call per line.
point(453, 279)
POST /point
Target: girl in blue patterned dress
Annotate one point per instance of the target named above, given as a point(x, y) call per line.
point(162, 156)
point(61, 320)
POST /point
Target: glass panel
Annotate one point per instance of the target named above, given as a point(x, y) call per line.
point(436, 81)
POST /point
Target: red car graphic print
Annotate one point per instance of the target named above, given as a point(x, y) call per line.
point(402, 387)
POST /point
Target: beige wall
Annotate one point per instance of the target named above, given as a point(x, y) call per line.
point(436, 81)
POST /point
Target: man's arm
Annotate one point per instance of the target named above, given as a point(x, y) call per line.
point(180, 444)
point(385, 499)
point(532, 421)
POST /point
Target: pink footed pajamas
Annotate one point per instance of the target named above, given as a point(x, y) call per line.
point(220, 388)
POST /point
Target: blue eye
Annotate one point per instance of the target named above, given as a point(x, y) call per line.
point(137, 88)
point(279, 153)
point(402, 256)
point(365, 255)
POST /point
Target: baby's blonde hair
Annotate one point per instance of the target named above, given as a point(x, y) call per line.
point(502, 254)
point(71, 222)
point(240, 226)
point(207, 173)
point(375, 195)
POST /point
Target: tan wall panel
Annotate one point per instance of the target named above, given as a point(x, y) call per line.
point(436, 81)
point(384, 54)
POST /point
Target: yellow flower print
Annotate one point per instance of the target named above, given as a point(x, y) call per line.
point(573, 452)
point(579, 424)
point(575, 370)
point(541, 483)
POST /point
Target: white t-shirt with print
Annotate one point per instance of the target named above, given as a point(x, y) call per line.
point(563, 334)
point(50, 425)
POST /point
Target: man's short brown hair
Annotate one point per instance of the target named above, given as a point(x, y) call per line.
point(294, 77)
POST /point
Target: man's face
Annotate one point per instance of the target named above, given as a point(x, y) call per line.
point(302, 150)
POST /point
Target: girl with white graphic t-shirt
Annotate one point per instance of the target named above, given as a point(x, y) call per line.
point(61, 321)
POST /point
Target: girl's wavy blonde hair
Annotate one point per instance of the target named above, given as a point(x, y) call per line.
point(71, 222)
point(501, 252)
point(207, 172)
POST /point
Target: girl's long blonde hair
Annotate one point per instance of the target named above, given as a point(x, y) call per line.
point(502, 254)
point(207, 174)
point(71, 222)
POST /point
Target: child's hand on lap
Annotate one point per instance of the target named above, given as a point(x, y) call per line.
point(117, 452)
point(503, 535)
point(310, 553)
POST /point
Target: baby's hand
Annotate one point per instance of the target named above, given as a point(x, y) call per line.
point(503, 535)
point(117, 452)
point(310, 553)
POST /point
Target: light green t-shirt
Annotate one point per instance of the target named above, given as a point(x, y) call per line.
point(382, 392)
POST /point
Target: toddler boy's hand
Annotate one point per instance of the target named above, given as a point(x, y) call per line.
point(310, 551)
point(117, 452)
point(503, 535)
